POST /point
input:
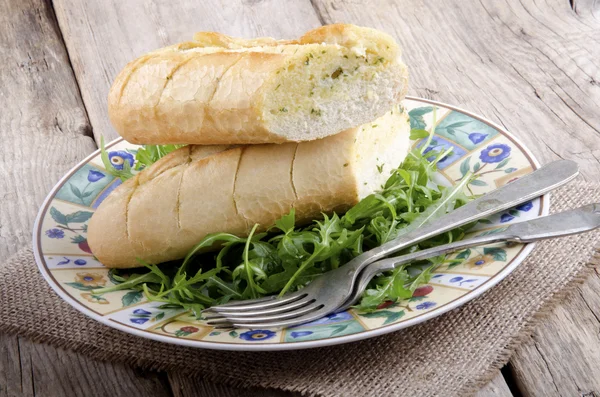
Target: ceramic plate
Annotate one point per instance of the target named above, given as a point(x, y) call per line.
point(480, 146)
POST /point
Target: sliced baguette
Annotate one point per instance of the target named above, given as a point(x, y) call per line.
point(223, 90)
point(163, 211)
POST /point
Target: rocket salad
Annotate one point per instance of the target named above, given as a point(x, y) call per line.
point(287, 256)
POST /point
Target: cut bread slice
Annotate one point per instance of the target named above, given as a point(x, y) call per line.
point(162, 212)
point(222, 90)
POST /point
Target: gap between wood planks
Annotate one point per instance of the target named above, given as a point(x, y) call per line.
point(45, 131)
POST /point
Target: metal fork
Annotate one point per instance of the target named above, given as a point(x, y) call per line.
point(330, 291)
point(582, 219)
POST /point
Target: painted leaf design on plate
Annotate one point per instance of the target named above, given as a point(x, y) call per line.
point(58, 216)
point(79, 216)
point(389, 315)
point(465, 166)
point(499, 254)
point(131, 297)
point(478, 182)
point(75, 190)
point(338, 329)
point(502, 163)
point(416, 117)
point(81, 287)
point(464, 254)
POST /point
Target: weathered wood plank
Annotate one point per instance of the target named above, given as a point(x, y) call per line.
point(102, 38)
point(496, 388)
point(15, 374)
point(63, 373)
point(563, 356)
point(183, 386)
point(43, 126)
point(44, 131)
point(531, 66)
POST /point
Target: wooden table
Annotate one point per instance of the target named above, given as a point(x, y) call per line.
point(530, 65)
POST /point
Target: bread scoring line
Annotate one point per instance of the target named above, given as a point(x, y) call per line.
point(178, 197)
point(292, 175)
point(235, 178)
point(168, 80)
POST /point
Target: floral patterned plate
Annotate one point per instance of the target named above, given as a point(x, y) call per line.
point(480, 146)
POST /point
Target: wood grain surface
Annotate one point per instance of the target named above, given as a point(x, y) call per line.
point(496, 388)
point(44, 130)
point(530, 65)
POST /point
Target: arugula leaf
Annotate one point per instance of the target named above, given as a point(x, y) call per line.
point(149, 154)
point(416, 134)
point(131, 282)
point(288, 257)
point(388, 287)
point(286, 222)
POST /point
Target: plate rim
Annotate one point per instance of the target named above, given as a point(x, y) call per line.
point(367, 334)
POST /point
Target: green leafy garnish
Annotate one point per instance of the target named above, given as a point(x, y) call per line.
point(144, 156)
point(149, 154)
point(288, 257)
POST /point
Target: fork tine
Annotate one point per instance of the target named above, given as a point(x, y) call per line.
point(277, 317)
point(274, 310)
point(258, 304)
point(311, 316)
point(245, 302)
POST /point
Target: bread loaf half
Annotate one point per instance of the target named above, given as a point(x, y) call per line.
point(222, 90)
point(162, 212)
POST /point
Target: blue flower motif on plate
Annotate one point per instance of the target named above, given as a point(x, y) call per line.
point(55, 233)
point(465, 130)
point(477, 137)
point(119, 157)
point(257, 334)
point(425, 305)
point(339, 316)
point(95, 176)
point(141, 311)
point(138, 320)
point(84, 185)
point(506, 218)
point(525, 206)
point(495, 153)
point(80, 262)
point(440, 144)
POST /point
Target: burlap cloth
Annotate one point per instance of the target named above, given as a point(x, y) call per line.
point(451, 355)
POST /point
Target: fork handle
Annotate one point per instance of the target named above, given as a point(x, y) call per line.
point(575, 221)
point(526, 188)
